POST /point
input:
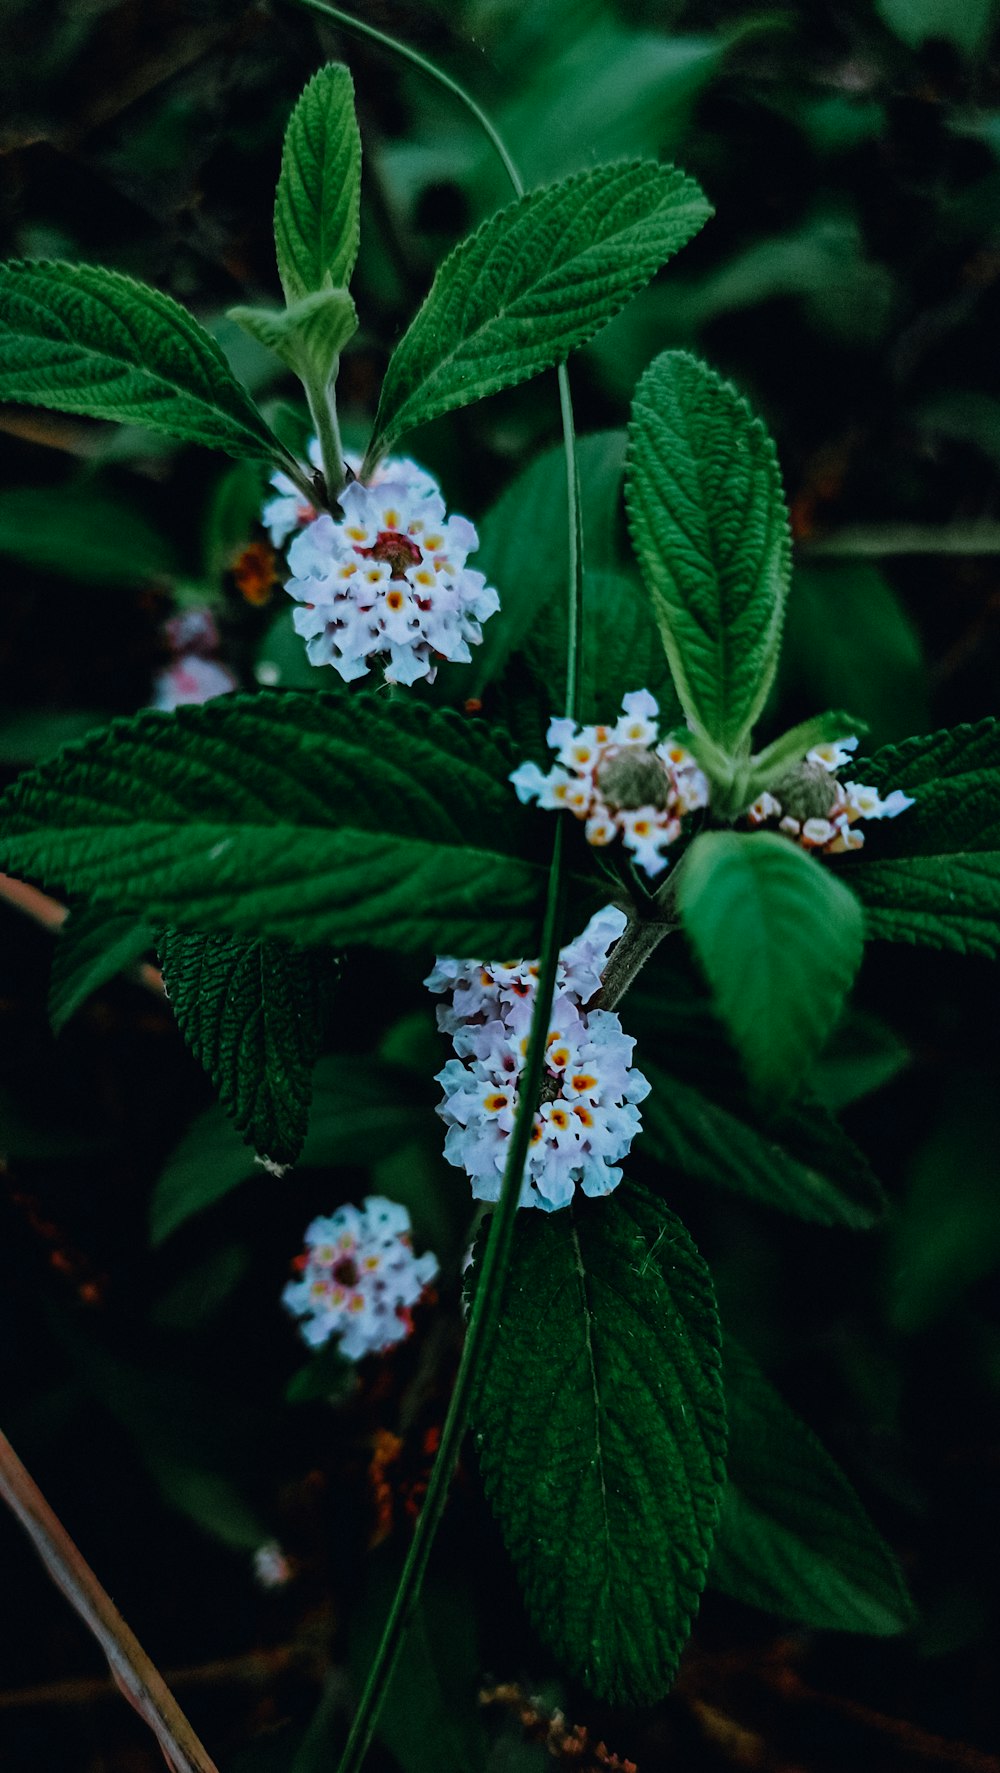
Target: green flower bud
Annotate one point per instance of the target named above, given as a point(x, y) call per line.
point(807, 792)
point(629, 776)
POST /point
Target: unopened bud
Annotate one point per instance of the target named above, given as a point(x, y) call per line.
point(629, 776)
point(807, 792)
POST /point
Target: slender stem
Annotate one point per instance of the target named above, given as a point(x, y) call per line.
point(140, 1682)
point(574, 610)
point(416, 60)
point(482, 1318)
point(323, 411)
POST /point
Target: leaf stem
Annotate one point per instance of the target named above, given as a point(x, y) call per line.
point(416, 60)
point(482, 1318)
point(323, 411)
point(574, 608)
point(136, 1676)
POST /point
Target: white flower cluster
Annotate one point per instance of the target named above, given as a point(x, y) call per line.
point(621, 780)
point(587, 1118)
point(358, 1278)
point(389, 581)
point(819, 811)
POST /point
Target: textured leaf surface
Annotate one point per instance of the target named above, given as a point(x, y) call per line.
point(317, 205)
point(80, 339)
point(601, 1431)
point(793, 1537)
point(91, 949)
point(534, 282)
point(710, 530)
point(360, 1105)
point(779, 939)
point(253, 1013)
point(322, 819)
point(932, 875)
point(801, 1162)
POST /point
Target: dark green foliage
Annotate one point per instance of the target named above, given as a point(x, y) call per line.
point(93, 946)
point(800, 1161)
point(81, 339)
point(603, 1386)
point(932, 875)
point(322, 819)
point(793, 1537)
point(253, 1013)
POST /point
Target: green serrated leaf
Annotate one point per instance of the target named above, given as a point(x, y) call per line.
point(317, 204)
point(710, 529)
point(603, 1386)
point(253, 1013)
point(309, 335)
point(801, 1162)
point(92, 948)
point(81, 532)
point(77, 338)
point(362, 1110)
point(535, 281)
point(779, 939)
point(793, 1537)
point(932, 874)
point(321, 819)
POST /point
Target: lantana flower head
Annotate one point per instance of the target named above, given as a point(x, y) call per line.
point(358, 1278)
point(587, 1117)
point(819, 811)
point(621, 780)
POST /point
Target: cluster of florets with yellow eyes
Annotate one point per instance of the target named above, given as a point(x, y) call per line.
point(820, 812)
point(620, 780)
point(587, 1116)
point(388, 581)
point(358, 1278)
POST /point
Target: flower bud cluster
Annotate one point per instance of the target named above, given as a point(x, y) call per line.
point(587, 1117)
point(358, 1278)
point(621, 780)
point(819, 811)
point(388, 581)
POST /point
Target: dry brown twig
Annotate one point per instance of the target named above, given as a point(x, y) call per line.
point(131, 1669)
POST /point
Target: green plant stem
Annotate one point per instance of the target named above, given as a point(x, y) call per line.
point(323, 410)
point(574, 611)
point(417, 60)
point(482, 1318)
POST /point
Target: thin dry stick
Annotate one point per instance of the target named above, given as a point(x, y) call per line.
point(131, 1668)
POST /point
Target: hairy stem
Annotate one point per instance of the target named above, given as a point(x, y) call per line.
point(142, 1686)
point(323, 411)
